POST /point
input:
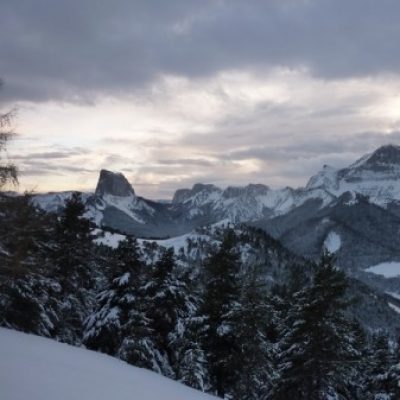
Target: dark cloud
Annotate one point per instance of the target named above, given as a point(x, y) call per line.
point(360, 143)
point(50, 155)
point(74, 50)
point(34, 167)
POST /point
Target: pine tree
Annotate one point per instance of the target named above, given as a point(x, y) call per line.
point(27, 289)
point(137, 345)
point(103, 328)
point(119, 324)
point(318, 351)
point(356, 379)
point(73, 248)
point(255, 370)
point(172, 305)
point(219, 309)
point(378, 367)
point(192, 367)
point(189, 362)
point(394, 374)
point(73, 259)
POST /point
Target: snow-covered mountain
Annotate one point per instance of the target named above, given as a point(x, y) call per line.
point(114, 192)
point(376, 175)
point(115, 204)
point(54, 201)
point(50, 370)
point(249, 203)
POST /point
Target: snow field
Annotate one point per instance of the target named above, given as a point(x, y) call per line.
point(36, 368)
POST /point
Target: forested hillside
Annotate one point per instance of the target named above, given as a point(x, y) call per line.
point(235, 315)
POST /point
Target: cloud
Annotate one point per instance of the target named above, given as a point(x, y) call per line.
point(172, 93)
point(276, 128)
point(79, 50)
point(186, 161)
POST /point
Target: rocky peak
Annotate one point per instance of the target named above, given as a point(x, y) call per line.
point(249, 190)
point(327, 177)
point(384, 156)
point(114, 184)
point(257, 189)
point(182, 195)
point(200, 187)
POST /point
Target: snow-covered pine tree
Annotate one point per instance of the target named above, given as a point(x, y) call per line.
point(394, 373)
point(103, 328)
point(255, 370)
point(379, 363)
point(138, 346)
point(73, 259)
point(73, 247)
point(318, 350)
point(220, 310)
point(119, 325)
point(190, 363)
point(171, 304)
point(356, 379)
point(27, 288)
point(192, 366)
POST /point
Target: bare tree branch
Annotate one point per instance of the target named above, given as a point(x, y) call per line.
point(8, 171)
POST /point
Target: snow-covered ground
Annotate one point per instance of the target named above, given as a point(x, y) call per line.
point(394, 295)
point(178, 242)
point(394, 307)
point(333, 242)
point(109, 239)
point(387, 269)
point(36, 368)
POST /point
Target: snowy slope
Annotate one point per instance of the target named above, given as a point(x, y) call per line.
point(387, 269)
point(35, 368)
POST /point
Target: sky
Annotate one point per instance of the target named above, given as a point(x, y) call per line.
point(175, 92)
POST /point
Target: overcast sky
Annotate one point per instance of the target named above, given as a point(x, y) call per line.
point(182, 91)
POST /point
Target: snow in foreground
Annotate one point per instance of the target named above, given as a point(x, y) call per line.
point(387, 269)
point(36, 368)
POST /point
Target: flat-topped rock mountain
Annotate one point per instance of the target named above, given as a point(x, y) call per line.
point(114, 184)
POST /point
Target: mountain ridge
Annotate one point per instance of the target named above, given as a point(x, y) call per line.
point(115, 203)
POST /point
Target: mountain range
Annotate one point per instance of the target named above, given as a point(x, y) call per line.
point(353, 212)
point(376, 176)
